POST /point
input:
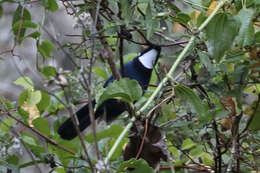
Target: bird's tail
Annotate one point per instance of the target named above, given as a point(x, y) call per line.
point(67, 129)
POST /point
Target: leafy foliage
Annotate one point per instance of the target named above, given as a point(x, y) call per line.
point(209, 114)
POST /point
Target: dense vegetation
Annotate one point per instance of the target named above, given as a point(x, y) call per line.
point(201, 112)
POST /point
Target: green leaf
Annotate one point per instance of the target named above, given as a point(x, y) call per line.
point(1, 11)
point(18, 12)
point(42, 125)
point(49, 71)
point(17, 17)
point(126, 90)
point(12, 159)
point(173, 7)
point(190, 97)
point(6, 124)
point(255, 125)
point(29, 140)
point(181, 18)
point(50, 5)
point(60, 170)
point(34, 98)
point(101, 72)
point(207, 159)
point(246, 31)
point(221, 32)
point(45, 101)
point(201, 18)
point(24, 114)
point(139, 166)
point(257, 36)
point(34, 35)
point(25, 24)
point(45, 48)
point(23, 97)
point(187, 144)
point(175, 152)
point(1, 59)
point(197, 152)
point(5, 102)
point(25, 82)
point(113, 132)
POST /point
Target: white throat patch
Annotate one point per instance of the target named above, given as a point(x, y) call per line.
point(148, 58)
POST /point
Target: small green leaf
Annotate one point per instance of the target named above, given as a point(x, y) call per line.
point(101, 72)
point(49, 71)
point(12, 159)
point(197, 152)
point(34, 98)
point(173, 7)
point(113, 132)
point(181, 18)
point(246, 31)
point(50, 5)
point(42, 125)
point(126, 90)
point(17, 18)
point(25, 82)
point(60, 170)
point(45, 101)
point(257, 36)
point(221, 32)
point(6, 124)
point(187, 144)
point(255, 125)
point(34, 35)
point(175, 152)
point(45, 48)
point(28, 140)
point(207, 159)
point(24, 114)
point(138, 165)
point(5, 102)
point(1, 59)
point(23, 97)
point(25, 24)
point(201, 18)
point(18, 12)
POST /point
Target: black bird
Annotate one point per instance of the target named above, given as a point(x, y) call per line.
point(140, 68)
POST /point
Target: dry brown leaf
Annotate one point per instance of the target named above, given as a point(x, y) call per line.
point(33, 112)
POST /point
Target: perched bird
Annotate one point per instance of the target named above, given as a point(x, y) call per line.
point(140, 68)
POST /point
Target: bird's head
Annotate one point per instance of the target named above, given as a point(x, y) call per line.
point(149, 56)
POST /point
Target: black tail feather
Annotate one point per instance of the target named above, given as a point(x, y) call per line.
point(67, 130)
point(112, 108)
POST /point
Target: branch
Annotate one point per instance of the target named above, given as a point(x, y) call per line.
point(49, 140)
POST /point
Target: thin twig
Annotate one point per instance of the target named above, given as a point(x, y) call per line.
point(49, 140)
point(142, 143)
point(75, 123)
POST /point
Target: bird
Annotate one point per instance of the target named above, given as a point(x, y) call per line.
point(139, 68)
